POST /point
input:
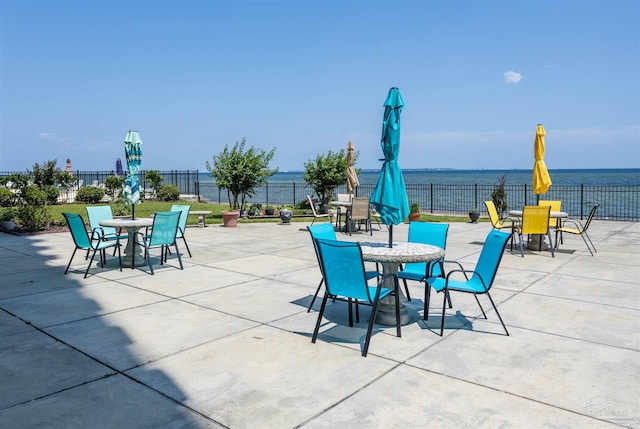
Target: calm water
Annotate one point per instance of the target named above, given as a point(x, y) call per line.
point(599, 177)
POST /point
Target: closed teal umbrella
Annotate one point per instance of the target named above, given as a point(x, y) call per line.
point(133, 152)
point(390, 194)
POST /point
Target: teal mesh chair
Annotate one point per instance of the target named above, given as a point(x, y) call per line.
point(326, 231)
point(98, 213)
point(184, 209)
point(163, 234)
point(481, 277)
point(425, 233)
point(345, 280)
point(83, 241)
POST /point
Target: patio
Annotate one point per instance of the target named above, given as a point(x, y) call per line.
point(226, 342)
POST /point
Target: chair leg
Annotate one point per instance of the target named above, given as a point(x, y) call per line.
point(148, 256)
point(367, 340)
point(93, 255)
point(187, 246)
point(584, 233)
point(498, 313)
point(320, 313)
point(315, 295)
point(406, 289)
point(72, 255)
point(480, 305)
point(397, 296)
point(444, 306)
point(521, 245)
point(427, 297)
point(175, 244)
point(553, 255)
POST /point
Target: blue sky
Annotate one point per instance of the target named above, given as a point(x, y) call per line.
point(306, 77)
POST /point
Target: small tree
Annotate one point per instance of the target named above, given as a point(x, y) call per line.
point(154, 177)
point(499, 195)
point(240, 172)
point(114, 185)
point(326, 173)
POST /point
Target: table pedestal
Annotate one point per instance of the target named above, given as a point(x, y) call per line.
point(132, 252)
point(537, 242)
point(386, 314)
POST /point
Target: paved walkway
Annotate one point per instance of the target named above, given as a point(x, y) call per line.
point(226, 342)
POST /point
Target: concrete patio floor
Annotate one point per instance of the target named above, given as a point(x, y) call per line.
point(226, 342)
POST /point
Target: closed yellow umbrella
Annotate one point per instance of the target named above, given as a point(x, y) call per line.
point(541, 178)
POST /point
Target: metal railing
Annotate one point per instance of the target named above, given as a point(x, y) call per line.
point(616, 202)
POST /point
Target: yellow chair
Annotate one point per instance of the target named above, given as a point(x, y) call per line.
point(579, 229)
point(497, 223)
point(556, 206)
point(535, 220)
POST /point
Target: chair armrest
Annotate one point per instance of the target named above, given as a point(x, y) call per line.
point(97, 233)
point(465, 272)
point(574, 222)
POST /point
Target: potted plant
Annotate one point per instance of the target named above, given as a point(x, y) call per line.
point(230, 218)
point(255, 209)
point(7, 216)
point(240, 171)
point(268, 210)
point(499, 196)
point(414, 212)
point(286, 213)
point(474, 215)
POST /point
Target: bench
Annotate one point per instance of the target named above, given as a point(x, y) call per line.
point(201, 215)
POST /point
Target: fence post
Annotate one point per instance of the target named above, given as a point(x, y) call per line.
point(581, 202)
point(431, 197)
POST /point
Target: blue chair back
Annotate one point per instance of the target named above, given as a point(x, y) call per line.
point(490, 258)
point(343, 269)
point(428, 233)
point(183, 217)
point(98, 213)
point(78, 230)
point(165, 228)
point(324, 231)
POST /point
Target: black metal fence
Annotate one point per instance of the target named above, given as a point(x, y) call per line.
point(616, 202)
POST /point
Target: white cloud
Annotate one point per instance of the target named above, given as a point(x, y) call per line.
point(46, 136)
point(511, 76)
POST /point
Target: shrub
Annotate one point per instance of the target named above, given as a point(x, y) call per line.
point(7, 213)
point(326, 173)
point(89, 195)
point(168, 193)
point(33, 218)
point(499, 196)
point(119, 207)
point(52, 193)
point(34, 196)
point(7, 198)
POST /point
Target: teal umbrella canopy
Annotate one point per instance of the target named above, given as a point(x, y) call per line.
point(390, 194)
point(133, 152)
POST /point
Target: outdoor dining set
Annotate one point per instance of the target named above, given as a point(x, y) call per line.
point(161, 231)
point(422, 259)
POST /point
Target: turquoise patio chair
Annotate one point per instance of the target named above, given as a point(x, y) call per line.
point(163, 234)
point(326, 231)
point(345, 280)
point(482, 276)
point(425, 233)
point(182, 225)
point(83, 241)
point(98, 213)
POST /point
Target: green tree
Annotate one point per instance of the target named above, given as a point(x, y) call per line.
point(45, 174)
point(114, 185)
point(240, 172)
point(154, 177)
point(326, 173)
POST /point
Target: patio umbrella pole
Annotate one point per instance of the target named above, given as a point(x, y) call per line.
point(390, 235)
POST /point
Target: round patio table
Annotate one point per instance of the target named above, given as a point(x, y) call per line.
point(390, 258)
point(133, 251)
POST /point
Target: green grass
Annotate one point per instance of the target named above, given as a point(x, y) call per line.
point(147, 208)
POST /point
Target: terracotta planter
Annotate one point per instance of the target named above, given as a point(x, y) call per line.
point(414, 217)
point(230, 218)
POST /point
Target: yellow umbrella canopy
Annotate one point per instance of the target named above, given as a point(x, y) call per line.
point(541, 178)
point(352, 177)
